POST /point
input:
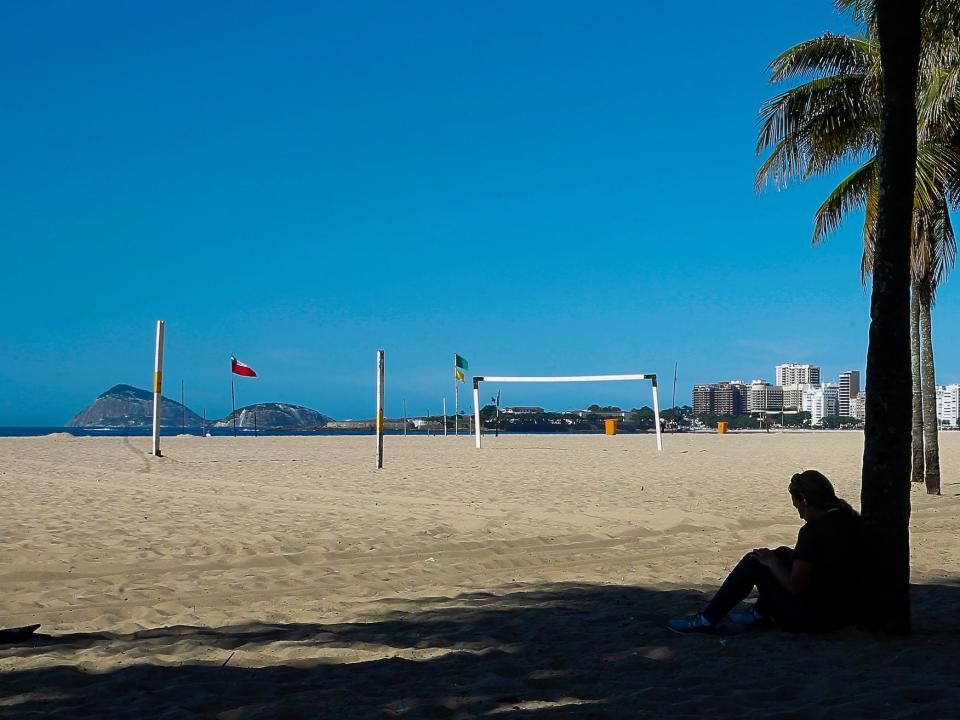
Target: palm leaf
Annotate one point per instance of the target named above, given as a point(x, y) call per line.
point(862, 10)
point(851, 194)
point(828, 54)
point(814, 127)
point(937, 103)
point(945, 247)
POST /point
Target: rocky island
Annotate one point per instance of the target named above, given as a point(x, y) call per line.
point(266, 416)
point(125, 406)
point(128, 406)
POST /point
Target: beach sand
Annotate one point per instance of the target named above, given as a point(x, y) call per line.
point(286, 577)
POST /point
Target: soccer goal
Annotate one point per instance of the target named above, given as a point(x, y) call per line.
point(568, 378)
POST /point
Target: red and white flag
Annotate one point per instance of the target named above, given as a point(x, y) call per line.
point(238, 368)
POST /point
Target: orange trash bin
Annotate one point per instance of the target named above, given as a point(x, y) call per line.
point(722, 427)
point(610, 426)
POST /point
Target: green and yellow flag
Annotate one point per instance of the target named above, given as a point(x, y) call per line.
point(458, 374)
point(461, 362)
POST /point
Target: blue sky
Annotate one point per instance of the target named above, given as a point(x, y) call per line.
point(542, 187)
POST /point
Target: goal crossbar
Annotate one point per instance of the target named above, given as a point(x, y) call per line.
point(563, 378)
point(477, 379)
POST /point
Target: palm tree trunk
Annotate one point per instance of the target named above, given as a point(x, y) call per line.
point(885, 491)
point(916, 434)
point(931, 428)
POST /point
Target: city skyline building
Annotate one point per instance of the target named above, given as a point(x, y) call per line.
point(821, 401)
point(858, 407)
point(721, 398)
point(797, 374)
point(849, 388)
point(792, 395)
point(761, 395)
point(948, 404)
point(844, 398)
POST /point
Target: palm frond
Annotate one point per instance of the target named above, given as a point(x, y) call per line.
point(945, 247)
point(850, 194)
point(828, 54)
point(938, 106)
point(870, 213)
point(937, 166)
point(940, 27)
point(839, 98)
point(934, 251)
point(814, 127)
point(863, 11)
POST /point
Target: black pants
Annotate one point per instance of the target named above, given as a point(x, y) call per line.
point(774, 600)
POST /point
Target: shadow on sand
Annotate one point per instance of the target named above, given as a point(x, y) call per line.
point(559, 651)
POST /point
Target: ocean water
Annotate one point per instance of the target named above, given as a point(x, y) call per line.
point(246, 432)
point(173, 431)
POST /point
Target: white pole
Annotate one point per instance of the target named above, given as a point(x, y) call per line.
point(157, 387)
point(656, 412)
point(476, 410)
point(379, 409)
point(456, 408)
point(444, 417)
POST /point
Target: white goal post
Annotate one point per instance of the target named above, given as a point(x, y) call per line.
point(567, 378)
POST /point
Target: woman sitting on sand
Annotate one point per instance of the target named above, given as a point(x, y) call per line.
point(810, 588)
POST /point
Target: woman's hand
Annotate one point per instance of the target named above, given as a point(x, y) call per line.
point(765, 556)
point(794, 575)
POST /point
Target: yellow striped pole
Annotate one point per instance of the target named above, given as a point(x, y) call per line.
point(379, 409)
point(157, 387)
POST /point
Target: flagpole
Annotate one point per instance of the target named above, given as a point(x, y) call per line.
point(674, 405)
point(233, 402)
point(444, 417)
point(456, 400)
point(157, 387)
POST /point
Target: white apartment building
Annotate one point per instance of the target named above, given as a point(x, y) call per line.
point(948, 404)
point(794, 374)
point(849, 388)
point(820, 401)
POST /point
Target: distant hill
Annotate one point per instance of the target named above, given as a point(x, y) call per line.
point(274, 415)
point(128, 406)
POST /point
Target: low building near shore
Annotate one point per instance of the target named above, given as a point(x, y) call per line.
point(521, 410)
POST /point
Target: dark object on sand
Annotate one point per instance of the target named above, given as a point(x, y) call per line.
point(12, 635)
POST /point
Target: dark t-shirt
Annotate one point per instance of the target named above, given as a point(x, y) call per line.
point(831, 543)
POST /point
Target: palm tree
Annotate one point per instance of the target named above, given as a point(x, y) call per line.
point(885, 489)
point(835, 118)
point(916, 428)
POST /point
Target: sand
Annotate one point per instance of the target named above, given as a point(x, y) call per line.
point(286, 577)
